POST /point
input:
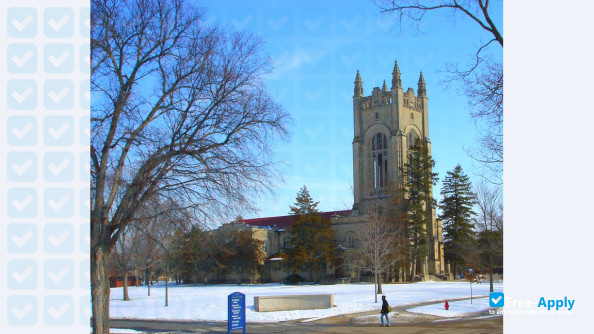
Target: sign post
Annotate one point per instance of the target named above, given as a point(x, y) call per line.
point(236, 312)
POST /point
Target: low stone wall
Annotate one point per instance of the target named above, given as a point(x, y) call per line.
point(292, 302)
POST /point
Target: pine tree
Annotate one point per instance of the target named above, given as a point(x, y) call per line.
point(243, 255)
point(457, 214)
point(418, 179)
point(311, 239)
point(396, 209)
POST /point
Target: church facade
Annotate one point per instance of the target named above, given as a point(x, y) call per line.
point(386, 124)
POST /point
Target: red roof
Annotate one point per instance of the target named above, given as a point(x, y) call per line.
point(285, 221)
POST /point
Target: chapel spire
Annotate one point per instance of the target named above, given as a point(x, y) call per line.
point(358, 86)
point(421, 91)
point(396, 82)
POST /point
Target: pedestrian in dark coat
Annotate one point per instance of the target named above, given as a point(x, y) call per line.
point(384, 312)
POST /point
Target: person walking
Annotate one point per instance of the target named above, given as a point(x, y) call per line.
point(384, 312)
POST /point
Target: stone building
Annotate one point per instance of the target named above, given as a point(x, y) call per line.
point(386, 124)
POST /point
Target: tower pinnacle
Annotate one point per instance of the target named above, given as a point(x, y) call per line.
point(421, 91)
point(384, 87)
point(358, 86)
point(396, 82)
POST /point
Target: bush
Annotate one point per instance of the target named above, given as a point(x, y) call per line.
point(293, 279)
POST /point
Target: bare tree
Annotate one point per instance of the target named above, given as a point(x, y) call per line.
point(376, 252)
point(124, 254)
point(489, 222)
point(481, 80)
point(179, 109)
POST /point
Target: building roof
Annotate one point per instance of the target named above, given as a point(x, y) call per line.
point(285, 221)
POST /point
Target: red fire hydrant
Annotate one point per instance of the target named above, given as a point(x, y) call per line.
point(447, 306)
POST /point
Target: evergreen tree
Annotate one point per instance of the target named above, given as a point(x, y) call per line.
point(396, 210)
point(311, 239)
point(243, 255)
point(457, 215)
point(418, 179)
point(195, 254)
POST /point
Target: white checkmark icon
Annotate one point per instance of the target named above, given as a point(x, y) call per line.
point(59, 240)
point(22, 276)
point(58, 313)
point(496, 300)
point(22, 132)
point(59, 168)
point(21, 61)
point(59, 96)
point(22, 312)
point(57, 61)
point(21, 169)
point(20, 241)
point(21, 205)
point(59, 132)
point(58, 277)
point(58, 25)
point(20, 97)
point(22, 24)
point(59, 204)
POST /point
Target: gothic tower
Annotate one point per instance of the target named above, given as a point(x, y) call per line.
point(386, 124)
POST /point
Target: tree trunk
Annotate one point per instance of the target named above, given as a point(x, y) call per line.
point(136, 274)
point(375, 286)
point(490, 271)
point(100, 290)
point(413, 270)
point(148, 281)
point(125, 286)
point(166, 290)
point(491, 279)
point(379, 284)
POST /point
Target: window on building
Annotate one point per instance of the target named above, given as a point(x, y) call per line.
point(350, 240)
point(379, 146)
point(412, 138)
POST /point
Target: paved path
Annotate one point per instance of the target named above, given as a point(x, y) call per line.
point(404, 322)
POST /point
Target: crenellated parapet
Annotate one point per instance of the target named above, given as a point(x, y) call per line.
point(382, 98)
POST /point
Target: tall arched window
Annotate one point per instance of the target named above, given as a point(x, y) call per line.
point(350, 239)
point(412, 138)
point(379, 156)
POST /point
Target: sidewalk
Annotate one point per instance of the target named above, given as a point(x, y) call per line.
point(367, 322)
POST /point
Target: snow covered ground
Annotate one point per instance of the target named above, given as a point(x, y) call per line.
point(457, 308)
point(209, 303)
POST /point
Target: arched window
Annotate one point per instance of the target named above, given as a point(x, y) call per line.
point(379, 157)
point(350, 239)
point(412, 138)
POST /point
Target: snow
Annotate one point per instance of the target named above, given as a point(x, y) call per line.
point(209, 302)
point(457, 308)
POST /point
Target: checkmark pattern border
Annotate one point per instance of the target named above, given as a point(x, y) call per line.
point(44, 119)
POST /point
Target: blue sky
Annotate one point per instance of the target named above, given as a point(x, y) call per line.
point(316, 48)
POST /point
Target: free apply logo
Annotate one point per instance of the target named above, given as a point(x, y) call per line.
point(496, 299)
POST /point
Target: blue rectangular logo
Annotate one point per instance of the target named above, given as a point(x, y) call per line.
point(496, 299)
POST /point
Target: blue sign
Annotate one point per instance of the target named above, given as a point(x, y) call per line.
point(236, 312)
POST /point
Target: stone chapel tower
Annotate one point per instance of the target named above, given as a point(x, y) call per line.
point(385, 125)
